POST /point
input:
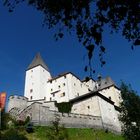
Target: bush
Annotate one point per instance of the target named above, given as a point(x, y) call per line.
point(29, 128)
point(12, 134)
point(57, 131)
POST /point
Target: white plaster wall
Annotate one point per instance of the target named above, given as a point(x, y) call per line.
point(88, 106)
point(114, 93)
point(57, 90)
point(36, 79)
point(68, 84)
point(90, 84)
point(76, 87)
point(108, 113)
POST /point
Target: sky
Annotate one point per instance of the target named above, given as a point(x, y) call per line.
point(22, 36)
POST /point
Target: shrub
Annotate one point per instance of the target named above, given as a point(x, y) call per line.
point(12, 134)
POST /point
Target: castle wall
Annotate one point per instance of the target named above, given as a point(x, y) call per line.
point(90, 84)
point(112, 93)
point(66, 87)
point(76, 87)
point(88, 106)
point(17, 102)
point(41, 115)
point(50, 105)
point(109, 114)
point(97, 106)
point(57, 90)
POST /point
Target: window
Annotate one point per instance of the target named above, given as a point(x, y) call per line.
point(31, 90)
point(53, 95)
point(64, 84)
point(44, 98)
point(74, 84)
point(59, 86)
point(77, 94)
point(31, 97)
point(31, 70)
point(50, 98)
point(51, 89)
point(62, 94)
point(88, 107)
point(64, 76)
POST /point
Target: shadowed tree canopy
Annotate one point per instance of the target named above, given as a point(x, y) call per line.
point(87, 19)
point(130, 113)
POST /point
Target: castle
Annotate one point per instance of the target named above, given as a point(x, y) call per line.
point(94, 103)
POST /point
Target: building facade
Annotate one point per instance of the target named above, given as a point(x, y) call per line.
point(90, 98)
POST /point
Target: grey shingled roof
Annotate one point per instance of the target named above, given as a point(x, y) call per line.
point(38, 61)
point(104, 83)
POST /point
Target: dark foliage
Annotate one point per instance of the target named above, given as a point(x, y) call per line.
point(29, 128)
point(130, 113)
point(64, 107)
point(87, 19)
point(12, 134)
point(5, 117)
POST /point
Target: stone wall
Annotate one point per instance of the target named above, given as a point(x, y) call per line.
point(16, 101)
point(41, 115)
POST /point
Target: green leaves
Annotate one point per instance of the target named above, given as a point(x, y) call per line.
point(130, 113)
point(64, 107)
point(87, 18)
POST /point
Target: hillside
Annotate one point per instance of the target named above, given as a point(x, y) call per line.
point(76, 134)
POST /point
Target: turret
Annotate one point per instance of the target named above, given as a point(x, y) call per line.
point(37, 75)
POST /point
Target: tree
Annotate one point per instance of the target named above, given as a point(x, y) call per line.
point(87, 18)
point(130, 113)
point(57, 131)
point(64, 107)
point(5, 118)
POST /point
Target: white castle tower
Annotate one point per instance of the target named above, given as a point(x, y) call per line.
point(37, 75)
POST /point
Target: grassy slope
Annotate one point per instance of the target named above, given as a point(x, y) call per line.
point(76, 134)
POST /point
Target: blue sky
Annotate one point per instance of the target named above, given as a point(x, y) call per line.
point(22, 36)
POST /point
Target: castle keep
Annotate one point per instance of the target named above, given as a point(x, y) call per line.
point(94, 103)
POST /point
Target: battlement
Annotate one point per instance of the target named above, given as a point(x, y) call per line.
point(12, 97)
point(16, 101)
